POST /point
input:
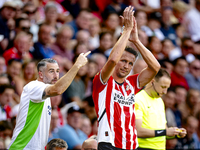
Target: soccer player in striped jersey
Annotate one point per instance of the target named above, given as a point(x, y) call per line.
point(33, 120)
point(113, 91)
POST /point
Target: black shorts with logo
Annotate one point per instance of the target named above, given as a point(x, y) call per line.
point(107, 146)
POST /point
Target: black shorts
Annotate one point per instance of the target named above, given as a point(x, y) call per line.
point(107, 146)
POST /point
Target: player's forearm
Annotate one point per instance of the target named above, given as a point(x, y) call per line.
point(119, 47)
point(147, 56)
point(63, 83)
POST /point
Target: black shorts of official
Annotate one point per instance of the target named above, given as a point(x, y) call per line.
point(107, 146)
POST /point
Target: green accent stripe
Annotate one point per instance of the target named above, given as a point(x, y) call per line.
point(31, 125)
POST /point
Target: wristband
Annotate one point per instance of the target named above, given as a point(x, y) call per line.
point(122, 29)
point(160, 133)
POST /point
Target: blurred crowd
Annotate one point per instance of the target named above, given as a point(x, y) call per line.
point(31, 30)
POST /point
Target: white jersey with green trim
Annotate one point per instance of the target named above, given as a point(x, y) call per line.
point(33, 120)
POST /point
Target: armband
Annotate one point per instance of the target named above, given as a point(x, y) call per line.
point(160, 133)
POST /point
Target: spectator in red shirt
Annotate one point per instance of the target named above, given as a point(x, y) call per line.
point(20, 49)
point(6, 96)
point(179, 71)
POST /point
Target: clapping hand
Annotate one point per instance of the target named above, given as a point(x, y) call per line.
point(127, 18)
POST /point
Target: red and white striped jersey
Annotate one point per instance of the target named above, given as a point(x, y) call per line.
point(118, 124)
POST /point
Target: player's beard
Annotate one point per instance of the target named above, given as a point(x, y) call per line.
point(49, 81)
point(122, 74)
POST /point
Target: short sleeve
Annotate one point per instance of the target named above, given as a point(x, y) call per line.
point(134, 80)
point(36, 89)
point(72, 139)
point(98, 84)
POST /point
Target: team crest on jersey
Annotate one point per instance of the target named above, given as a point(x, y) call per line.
point(127, 87)
point(49, 109)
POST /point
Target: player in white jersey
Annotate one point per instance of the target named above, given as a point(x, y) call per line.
point(33, 120)
point(114, 93)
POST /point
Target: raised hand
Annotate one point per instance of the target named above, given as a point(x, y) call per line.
point(82, 59)
point(127, 18)
point(134, 33)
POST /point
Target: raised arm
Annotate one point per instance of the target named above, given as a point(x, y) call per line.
point(63, 83)
point(153, 66)
point(119, 47)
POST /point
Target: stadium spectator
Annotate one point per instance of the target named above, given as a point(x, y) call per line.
point(6, 96)
point(63, 38)
point(169, 101)
point(187, 50)
point(116, 7)
point(100, 59)
point(72, 128)
point(106, 42)
point(42, 47)
point(14, 69)
point(51, 16)
point(81, 22)
point(31, 10)
point(180, 98)
point(112, 24)
point(168, 49)
point(86, 125)
point(57, 144)
point(76, 91)
point(187, 142)
point(191, 105)
point(196, 135)
point(55, 103)
point(141, 18)
point(29, 71)
point(155, 47)
point(6, 130)
point(88, 106)
point(54, 124)
point(7, 12)
point(189, 17)
point(22, 24)
point(61, 46)
point(2, 65)
point(94, 127)
point(88, 78)
point(178, 75)
point(20, 49)
point(4, 79)
point(166, 25)
point(89, 144)
point(94, 30)
point(193, 76)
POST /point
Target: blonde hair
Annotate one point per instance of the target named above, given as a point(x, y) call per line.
point(180, 6)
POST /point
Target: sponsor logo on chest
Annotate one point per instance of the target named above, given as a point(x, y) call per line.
point(124, 100)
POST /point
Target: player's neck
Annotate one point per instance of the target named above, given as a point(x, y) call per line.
point(117, 79)
point(150, 91)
